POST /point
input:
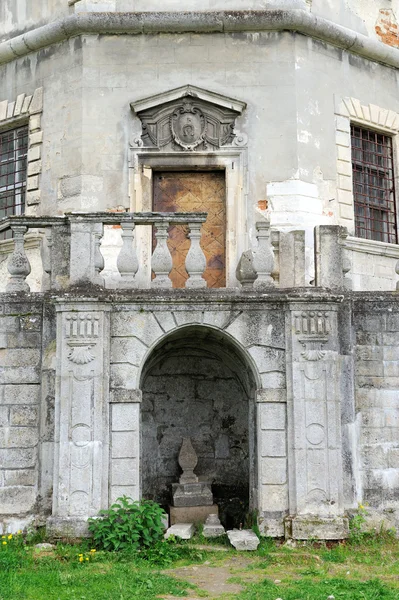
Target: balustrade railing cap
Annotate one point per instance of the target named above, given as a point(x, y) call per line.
point(142, 218)
point(147, 218)
point(30, 221)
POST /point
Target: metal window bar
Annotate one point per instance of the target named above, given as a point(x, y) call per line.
point(373, 185)
point(13, 164)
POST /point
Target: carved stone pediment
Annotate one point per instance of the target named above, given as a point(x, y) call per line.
point(188, 118)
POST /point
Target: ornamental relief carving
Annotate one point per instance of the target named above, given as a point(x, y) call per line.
point(313, 329)
point(188, 122)
point(81, 332)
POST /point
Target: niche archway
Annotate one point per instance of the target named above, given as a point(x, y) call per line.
point(198, 383)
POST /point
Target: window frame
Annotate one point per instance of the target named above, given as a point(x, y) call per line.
point(19, 207)
point(371, 169)
point(350, 111)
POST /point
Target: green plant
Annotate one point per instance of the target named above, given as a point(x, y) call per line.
point(356, 525)
point(128, 525)
point(12, 551)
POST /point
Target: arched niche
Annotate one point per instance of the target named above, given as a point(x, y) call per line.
point(198, 383)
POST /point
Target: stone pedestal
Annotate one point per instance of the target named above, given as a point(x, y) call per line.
point(192, 514)
point(192, 494)
point(213, 527)
point(318, 528)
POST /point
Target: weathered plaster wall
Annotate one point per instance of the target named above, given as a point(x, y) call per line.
point(17, 16)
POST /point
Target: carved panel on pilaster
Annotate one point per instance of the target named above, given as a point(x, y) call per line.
point(314, 410)
point(80, 475)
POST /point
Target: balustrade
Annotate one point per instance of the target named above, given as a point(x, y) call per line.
point(79, 236)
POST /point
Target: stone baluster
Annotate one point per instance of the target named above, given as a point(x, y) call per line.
point(275, 241)
point(45, 250)
point(18, 264)
point(245, 271)
point(161, 259)
point(195, 259)
point(45, 254)
point(263, 260)
point(98, 257)
point(127, 261)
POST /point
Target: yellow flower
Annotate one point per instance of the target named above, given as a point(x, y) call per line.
point(3, 537)
point(4, 543)
point(80, 554)
point(19, 531)
point(361, 506)
point(92, 550)
point(10, 537)
point(87, 559)
point(80, 558)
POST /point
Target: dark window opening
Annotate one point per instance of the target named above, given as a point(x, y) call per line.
point(13, 161)
point(373, 185)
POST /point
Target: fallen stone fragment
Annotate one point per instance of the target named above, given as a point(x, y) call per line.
point(244, 539)
point(213, 527)
point(44, 547)
point(185, 531)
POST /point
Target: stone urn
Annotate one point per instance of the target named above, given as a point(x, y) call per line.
point(188, 461)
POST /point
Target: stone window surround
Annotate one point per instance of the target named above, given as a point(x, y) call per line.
point(26, 110)
point(347, 111)
point(233, 160)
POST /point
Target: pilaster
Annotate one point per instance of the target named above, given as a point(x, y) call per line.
point(81, 416)
point(314, 424)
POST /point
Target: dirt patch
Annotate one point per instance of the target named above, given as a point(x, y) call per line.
point(214, 580)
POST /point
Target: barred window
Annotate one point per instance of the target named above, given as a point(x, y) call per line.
point(373, 185)
point(13, 160)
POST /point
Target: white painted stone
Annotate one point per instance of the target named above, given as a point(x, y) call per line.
point(185, 531)
point(244, 539)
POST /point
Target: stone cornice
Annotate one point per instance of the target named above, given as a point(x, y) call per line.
point(200, 22)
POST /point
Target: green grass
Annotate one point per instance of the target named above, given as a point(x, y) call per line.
point(365, 570)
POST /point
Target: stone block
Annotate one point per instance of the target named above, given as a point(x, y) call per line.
point(17, 499)
point(192, 494)
point(20, 477)
point(124, 444)
point(4, 414)
point(125, 417)
point(274, 379)
point(273, 497)
point(18, 458)
point(127, 350)
point(131, 491)
point(26, 374)
point(212, 527)
point(268, 359)
point(273, 443)
point(8, 323)
point(119, 395)
point(191, 514)
point(271, 395)
point(18, 437)
point(274, 471)
point(123, 471)
point(244, 539)
point(24, 415)
point(270, 526)
point(124, 376)
point(319, 528)
point(142, 325)
point(184, 531)
point(272, 416)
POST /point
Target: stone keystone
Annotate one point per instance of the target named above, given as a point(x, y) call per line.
point(245, 539)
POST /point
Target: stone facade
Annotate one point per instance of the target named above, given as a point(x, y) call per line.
point(286, 378)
